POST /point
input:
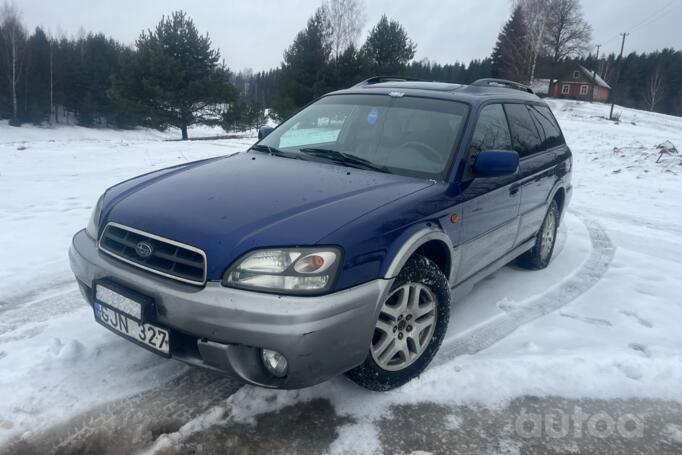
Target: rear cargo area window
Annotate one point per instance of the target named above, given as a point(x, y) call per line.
point(549, 130)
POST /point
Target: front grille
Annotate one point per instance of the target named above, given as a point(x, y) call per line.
point(168, 257)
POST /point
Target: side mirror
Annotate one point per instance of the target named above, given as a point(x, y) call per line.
point(495, 163)
point(264, 131)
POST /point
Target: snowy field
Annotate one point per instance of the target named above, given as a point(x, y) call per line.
point(601, 323)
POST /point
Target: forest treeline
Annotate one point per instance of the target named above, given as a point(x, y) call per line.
point(173, 75)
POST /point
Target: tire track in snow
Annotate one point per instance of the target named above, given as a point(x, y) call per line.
point(39, 308)
point(639, 221)
point(140, 419)
point(127, 425)
point(582, 279)
point(589, 274)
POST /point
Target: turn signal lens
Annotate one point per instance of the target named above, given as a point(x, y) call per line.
point(292, 271)
point(316, 262)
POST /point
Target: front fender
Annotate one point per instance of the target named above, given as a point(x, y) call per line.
point(409, 242)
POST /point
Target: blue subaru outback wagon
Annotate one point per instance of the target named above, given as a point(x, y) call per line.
point(337, 243)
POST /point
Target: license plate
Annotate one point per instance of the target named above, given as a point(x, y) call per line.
point(114, 298)
point(147, 335)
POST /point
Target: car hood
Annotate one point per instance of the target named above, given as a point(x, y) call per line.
point(230, 205)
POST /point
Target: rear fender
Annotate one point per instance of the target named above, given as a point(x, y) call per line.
point(558, 186)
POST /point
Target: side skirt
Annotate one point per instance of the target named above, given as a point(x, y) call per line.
point(465, 287)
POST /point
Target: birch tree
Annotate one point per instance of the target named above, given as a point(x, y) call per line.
point(345, 20)
point(535, 14)
point(13, 52)
point(654, 88)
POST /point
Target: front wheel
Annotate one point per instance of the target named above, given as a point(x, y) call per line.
point(412, 322)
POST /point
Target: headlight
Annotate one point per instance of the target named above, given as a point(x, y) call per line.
point(286, 270)
point(93, 224)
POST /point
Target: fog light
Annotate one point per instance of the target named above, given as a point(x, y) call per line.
point(274, 362)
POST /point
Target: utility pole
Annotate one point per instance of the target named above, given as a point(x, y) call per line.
point(615, 84)
point(52, 112)
point(594, 73)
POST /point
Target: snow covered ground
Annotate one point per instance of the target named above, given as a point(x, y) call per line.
point(602, 322)
point(53, 360)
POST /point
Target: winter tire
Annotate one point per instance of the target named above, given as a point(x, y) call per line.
point(410, 328)
point(540, 255)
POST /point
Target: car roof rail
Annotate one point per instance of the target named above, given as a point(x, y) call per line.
point(492, 82)
point(379, 79)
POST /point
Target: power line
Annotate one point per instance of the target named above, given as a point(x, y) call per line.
point(656, 16)
point(660, 13)
point(647, 21)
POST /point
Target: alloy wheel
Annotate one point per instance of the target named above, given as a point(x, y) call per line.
point(548, 234)
point(405, 326)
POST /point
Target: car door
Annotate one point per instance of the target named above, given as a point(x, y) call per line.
point(491, 204)
point(536, 140)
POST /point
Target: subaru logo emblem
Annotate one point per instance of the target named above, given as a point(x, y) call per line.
point(144, 249)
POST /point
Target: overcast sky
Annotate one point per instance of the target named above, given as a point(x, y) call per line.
point(254, 33)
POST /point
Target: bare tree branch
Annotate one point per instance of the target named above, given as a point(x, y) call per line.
point(567, 33)
point(346, 19)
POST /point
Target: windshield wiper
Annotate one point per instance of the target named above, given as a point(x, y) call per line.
point(344, 158)
point(271, 150)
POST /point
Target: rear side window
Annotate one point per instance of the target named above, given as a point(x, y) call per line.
point(492, 131)
point(547, 126)
point(525, 138)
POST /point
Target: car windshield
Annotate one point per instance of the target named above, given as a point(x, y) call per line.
point(402, 135)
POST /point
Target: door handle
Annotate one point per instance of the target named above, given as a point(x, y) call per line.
point(514, 189)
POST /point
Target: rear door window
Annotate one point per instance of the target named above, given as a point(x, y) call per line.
point(547, 126)
point(525, 137)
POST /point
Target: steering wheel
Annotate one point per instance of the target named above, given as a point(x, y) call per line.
point(424, 149)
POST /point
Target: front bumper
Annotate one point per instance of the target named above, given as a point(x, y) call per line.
point(224, 329)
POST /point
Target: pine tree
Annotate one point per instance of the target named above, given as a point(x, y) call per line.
point(388, 49)
point(349, 68)
point(174, 78)
point(37, 80)
point(510, 56)
point(305, 74)
point(5, 104)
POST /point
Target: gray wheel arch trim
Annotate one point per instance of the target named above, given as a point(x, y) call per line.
point(558, 185)
point(412, 244)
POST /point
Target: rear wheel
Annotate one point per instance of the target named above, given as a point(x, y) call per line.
point(540, 255)
point(410, 328)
